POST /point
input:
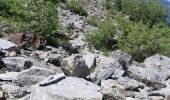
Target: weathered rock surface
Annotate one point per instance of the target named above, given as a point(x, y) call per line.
point(17, 63)
point(4, 44)
point(32, 76)
point(159, 65)
point(75, 66)
point(14, 91)
point(52, 79)
point(9, 76)
point(149, 77)
point(90, 59)
point(68, 89)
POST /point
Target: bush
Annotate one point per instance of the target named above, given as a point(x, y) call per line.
point(107, 4)
point(103, 37)
point(149, 11)
point(76, 6)
point(38, 16)
point(140, 41)
point(93, 20)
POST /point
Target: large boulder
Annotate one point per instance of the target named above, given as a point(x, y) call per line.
point(32, 76)
point(150, 77)
point(75, 66)
point(70, 88)
point(159, 65)
point(17, 63)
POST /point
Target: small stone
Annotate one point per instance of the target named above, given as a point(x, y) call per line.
point(35, 56)
point(12, 54)
point(2, 95)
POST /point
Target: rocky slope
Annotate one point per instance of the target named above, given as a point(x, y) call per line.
point(31, 70)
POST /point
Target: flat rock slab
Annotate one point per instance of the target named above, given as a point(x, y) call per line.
point(17, 64)
point(4, 44)
point(159, 65)
point(9, 76)
point(32, 76)
point(70, 88)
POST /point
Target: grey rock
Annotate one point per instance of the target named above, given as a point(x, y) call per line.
point(123, 59)
point(165, 91)
point(75, 66)
point(123, 83)
point(68, 89)
point(2, 53)
point(105, 75)
point(9, 76)
point(17, 64)
point(2, 95)
point(124, 87)
point(52, 79)
point(118, 73)
point(54, 59)
point(2, 65)
point(14, 91)
point(103, 64)
point(27, 97)
point(116, 93)
point(78, 43)
point(149, 77)
point(90, 60)
point(4, 44)
point(32, 76)
point(160, 65)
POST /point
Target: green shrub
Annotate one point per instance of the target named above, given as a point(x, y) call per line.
point(107, 4)
point(103, 37)
point(93, 20)
point(140, 41)
point(76, 6)
point(149, 11)
point(38, 16)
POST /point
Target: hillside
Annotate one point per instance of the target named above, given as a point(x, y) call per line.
point(84, 50)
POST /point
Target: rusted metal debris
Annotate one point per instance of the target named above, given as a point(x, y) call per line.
point(29, 41)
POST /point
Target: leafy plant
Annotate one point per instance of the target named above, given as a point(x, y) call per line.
point(149, 11)
point(37, 16)
point(103, 37)
point(140, 41)
point(93, 20)
point(77, 6)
